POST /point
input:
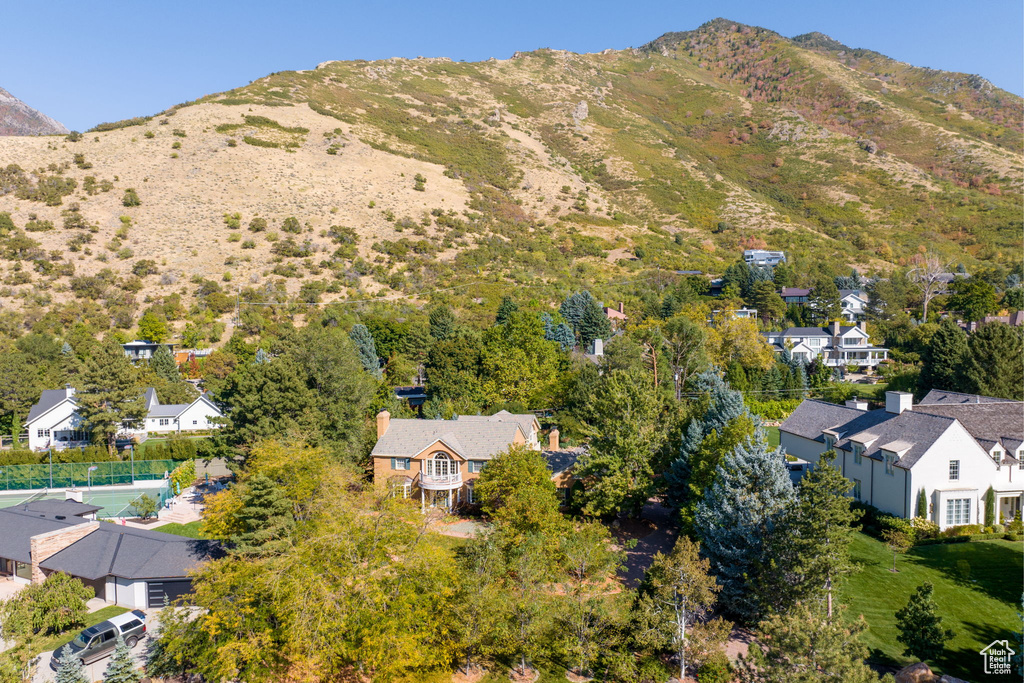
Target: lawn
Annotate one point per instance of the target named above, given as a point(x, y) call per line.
point(979, 608)
point(91, 619)
point(190, 530)
point(160, 441)
point(773, 437)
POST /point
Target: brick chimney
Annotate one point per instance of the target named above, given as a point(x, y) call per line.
point(553, 440)
point(863, 326)
point(835, 328)
point(383, 420)
point(622, 308)
point(42, 546)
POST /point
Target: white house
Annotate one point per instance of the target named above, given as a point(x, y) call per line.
point(141, 349)
point(951, 446)
point(54, 421)
point(837, 345)
point(854, 302)
point(762, 257)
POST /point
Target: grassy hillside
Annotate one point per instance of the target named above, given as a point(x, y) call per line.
point(548, 169)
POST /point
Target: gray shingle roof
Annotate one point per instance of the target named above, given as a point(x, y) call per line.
point(524, 420)
point(47, 400)
point(132, 554)
point(17, 526)
point(473, 438)
point(1001, 421)
point(65, 508)
point(942, 397)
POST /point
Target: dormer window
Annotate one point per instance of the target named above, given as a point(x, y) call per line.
point(858, 451)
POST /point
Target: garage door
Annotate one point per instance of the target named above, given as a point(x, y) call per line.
point(157, 590)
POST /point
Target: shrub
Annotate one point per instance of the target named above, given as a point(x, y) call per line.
point(249, 244)
point(234, 237)
point(924, 528)
point(258, 224)
point(233, 220)
point(291, 224)
point(717, 669)
point(144, 267)
point(131, 198)
point(146, 506)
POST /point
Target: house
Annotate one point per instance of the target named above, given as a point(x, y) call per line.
point(617, 316)
point(140, 349)
point(130, 567)
point(837, 345)
point(761, 257)
point(854, 303)
point(415, 396)
point(951, 446)
point(54, 421)
point(795, 295)
point(439, 460)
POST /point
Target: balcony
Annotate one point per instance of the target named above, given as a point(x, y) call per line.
point(440, 482)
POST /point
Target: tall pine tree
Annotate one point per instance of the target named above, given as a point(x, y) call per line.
point(69, 667)
point(737, 516)
point(943, 359)
point(995, 361)
point(505, 310)
point(110, 395)
point(121, 668)
point(366, 348)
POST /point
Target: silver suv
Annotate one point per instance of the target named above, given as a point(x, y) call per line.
point(98, 641)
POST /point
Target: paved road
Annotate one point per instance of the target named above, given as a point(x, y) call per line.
point(44, 674)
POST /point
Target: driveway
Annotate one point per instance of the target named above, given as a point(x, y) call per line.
point(655, 532)
point(94, 671)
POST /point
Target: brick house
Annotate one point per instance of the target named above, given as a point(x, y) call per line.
point(439, 460)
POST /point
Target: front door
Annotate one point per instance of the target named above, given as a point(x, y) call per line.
point(442, 499)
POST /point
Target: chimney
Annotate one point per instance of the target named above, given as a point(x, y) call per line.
point(857, 403)
point(862, 326)
point(74, 495)
point(553, 440)
point(898, 401)
point(622, 308)
point(598, 347)
point(835, 328)
point(69, 390)
point(383, 420)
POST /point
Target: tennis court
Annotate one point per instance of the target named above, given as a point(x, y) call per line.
point(115, 500)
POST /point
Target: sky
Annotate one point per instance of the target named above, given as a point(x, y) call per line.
point(85, 62)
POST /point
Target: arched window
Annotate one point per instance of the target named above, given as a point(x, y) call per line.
point(441, 465)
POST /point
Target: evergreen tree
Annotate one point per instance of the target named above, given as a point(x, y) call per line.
point(737, 516)
point(995, 361)
point(69, 667)
point(110, 394)
point(505, 310)
point(442, 323)
point(163, 366)
point(265, 519)
point(770, 306)
point(804, 645)
point(121, 668)
point(922, 504)
point(824, 301)
point(584, 314)
point(367, 349)
point(20, 387)
point(809, 549)
point(943, 359)
point(564, 335)
point(920, 627)
point(990, 507)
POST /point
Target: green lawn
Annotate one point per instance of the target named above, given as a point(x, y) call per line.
point(160, 441)
point(980, 609)
point(190, 530)
point(91, 619)
point(773, 437)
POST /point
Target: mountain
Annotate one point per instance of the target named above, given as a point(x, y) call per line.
point(17, 118)
point(546, 170)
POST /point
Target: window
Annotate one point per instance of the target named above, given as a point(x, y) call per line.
point(469, 493)
point(890, 460)
point(954, 470)
point(164, 421)
point(43, 433)
point(856, 489)
point(401, 489)
point(476, 465)
point(858, 450)
point(399, 463)
point(829, 442)
point(958, 511)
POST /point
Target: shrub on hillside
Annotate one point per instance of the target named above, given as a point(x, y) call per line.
point(131, 198)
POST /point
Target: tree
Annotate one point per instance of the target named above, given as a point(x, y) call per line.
point(920, 626)
point(994, 361)
point(367, 349)
point(684, 341)
point(973, 298)
point(517, 364)
point(922, 504)
point(824, 301)
point(505, 310)
point(442, 323)
point(131, 197)
point(121, 668)
point(809, 551)
point(679, 592)
point(69, 667)
point(516, 491)
point(53, 606)
point(264, 519)
point(898, 542)
point(110, 395)
point(737, 515)
point(770, 306)
point(582, 311)
point(146, 506)
point(618, 469)
point(929, 274)
point(944, 358)
point(152, 328)
point(163, 366)
point(806, 646)
point(453, 371)
point(990, 507)
point(739, 340)
point(20, 387)
point(1013, 298)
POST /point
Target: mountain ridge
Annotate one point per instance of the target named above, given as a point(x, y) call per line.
point(17, 118)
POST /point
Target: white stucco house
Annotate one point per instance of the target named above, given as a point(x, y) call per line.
point(952, 446)
point(54, 421)
point(838, 345)
point(854, 302)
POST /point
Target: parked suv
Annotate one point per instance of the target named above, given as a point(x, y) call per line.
point(98, 641)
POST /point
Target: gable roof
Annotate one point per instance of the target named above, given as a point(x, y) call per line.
point(943, 397)
point(473, 438)
point(859, 293)
point(18, 526)
point(989, 423)
point(527, 421)
point(48, 400)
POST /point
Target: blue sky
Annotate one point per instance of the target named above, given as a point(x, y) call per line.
point(87, 62)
